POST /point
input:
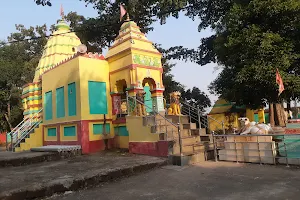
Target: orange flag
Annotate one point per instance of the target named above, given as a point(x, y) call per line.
point(122, 12)
point(279, 82)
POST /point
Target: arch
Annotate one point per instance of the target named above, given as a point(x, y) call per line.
point(120, 86)
point(150, 82)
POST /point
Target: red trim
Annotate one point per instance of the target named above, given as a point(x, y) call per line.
point(159, 148)
point(159, 91)
point(95, 56)
point(31, 93)
point(293, 121)
point(121, 120)
point(75, 122)
point(292, 130)
point(29, 84)
point(35, 105)
point(115, 94)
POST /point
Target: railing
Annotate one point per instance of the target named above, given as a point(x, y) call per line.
point(264, 149)
point(195, 115)
point(22, 130)
point(132, 103)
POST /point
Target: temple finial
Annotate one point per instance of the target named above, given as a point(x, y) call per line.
point(128, 18)
point(62, 13)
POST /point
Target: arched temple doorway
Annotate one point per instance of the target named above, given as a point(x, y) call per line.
point(148, 85)
point(119, 100)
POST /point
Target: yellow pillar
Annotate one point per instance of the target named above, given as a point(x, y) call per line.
point(261, 116)
point(250, 114)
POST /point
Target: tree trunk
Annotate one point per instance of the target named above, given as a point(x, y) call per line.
point(280, 114)
point(8, 121)
point(271, 114)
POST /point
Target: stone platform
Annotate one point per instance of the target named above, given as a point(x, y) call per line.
point(45, 179)
point(8, 158)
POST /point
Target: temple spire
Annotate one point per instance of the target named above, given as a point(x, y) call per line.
point(62, 13)
point(128, 18)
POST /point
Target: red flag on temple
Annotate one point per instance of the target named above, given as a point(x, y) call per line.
point(122, 12)
point(279, 82)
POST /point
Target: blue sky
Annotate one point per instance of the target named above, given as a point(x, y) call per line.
point(182, 31)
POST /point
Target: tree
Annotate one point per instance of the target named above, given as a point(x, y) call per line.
point(43, 2)
point(18, 61)
point(251, 39)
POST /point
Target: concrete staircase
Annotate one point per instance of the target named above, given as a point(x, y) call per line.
point(32, 140)
point(196, 145)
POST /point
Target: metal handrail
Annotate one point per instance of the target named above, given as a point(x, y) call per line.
point(27, 132)
point(154, 111)
point(23, 122)
point(21, 130)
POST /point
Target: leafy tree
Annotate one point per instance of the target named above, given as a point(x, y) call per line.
point(18, 61)
point(251, 39)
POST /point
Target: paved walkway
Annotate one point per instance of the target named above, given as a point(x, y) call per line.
point(211, 181)
point(38, 180)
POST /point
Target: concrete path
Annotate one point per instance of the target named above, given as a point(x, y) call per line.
point(45, 179)
point(211, 181)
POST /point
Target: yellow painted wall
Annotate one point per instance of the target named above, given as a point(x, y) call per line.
point(122, 142)
point(121, 60)
point(250, 114)
point(62, 76)
point(93, 70)
point(214, 126)
point(35, 140)
point(138, 132)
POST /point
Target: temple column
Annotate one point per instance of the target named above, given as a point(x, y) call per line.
point(158, 100)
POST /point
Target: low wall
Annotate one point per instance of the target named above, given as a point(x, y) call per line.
point(249, 149)
point(275, 149)
point(142, 141)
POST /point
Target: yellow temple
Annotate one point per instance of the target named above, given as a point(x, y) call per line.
point(75, 96)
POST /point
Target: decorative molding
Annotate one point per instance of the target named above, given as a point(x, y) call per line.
point(146, 60)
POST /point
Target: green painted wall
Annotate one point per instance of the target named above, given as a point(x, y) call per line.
point(72, 99)
point(148, 99)
point(60, 102)
point(267, 118)
point(48, 105)
point(121, 131)
point(256, 118)
point(97, 97)
point(51, 132)
point(69, 131)
point(98, 129)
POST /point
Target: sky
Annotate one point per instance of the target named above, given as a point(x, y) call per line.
point(175, 32)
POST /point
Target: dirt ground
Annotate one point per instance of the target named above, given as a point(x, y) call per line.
point(209, 180)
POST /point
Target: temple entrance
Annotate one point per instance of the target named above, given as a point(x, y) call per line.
point(148, 84)
point(119, 101)
point(148, 99)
